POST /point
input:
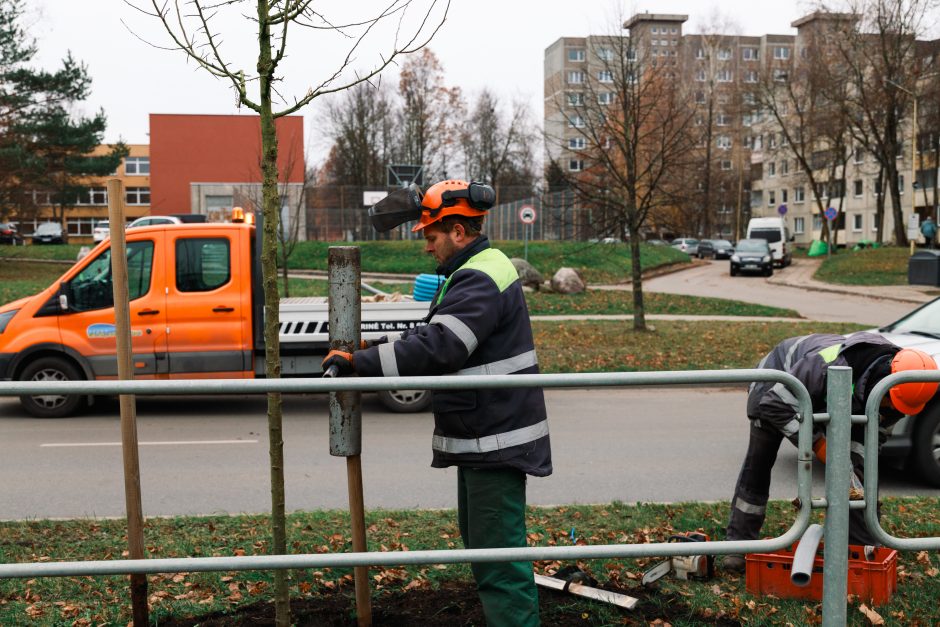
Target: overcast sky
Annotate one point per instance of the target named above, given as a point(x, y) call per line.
point(498, 44)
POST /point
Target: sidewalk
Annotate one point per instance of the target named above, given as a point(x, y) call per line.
point(800, 275)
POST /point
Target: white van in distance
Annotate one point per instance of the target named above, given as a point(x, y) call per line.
point(778, 237)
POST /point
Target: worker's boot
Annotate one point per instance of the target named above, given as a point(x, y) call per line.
point(733, 563)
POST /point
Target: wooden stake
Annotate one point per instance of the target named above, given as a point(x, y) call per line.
point(357, 514)
point(129, 448)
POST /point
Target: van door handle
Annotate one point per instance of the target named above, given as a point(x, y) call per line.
point(148, 312)
point(222, 309)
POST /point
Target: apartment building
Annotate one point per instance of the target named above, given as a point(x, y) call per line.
point(746, 166)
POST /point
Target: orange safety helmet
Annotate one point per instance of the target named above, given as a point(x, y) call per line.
point(910, 398)
point(454, 198)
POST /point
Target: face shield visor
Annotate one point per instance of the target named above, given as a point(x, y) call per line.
point(403, 205)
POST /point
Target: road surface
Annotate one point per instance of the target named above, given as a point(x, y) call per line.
point(210, 455)
point(712, 279)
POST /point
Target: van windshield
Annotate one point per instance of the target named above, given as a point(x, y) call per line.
point(771, 235)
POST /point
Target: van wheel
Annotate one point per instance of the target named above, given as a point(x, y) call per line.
point(51, 405)
point(405, 401)
point(926, 447)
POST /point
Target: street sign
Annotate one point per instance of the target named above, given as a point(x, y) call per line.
point(831, 213)
point(370, 198)
point(913, 226)
point(782, 210)
point(527, 214)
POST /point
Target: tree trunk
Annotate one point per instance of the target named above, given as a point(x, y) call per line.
point(272, 348)
point(880, 206)
point(897, 209)
point(636, 277)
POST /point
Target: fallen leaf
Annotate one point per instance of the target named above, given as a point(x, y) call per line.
point(873, 616)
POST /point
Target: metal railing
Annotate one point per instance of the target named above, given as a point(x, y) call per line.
point(838, 471)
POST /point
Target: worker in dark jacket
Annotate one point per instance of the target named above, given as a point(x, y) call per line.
point(478, 324)
point(774, 414)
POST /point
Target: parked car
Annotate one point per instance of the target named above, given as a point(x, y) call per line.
point(715, 248)
point(101, 231)
point(752, 255)
point(687, 245)
point(915, 441)
point(153, 220)
point(9, 235)
point(48, 233)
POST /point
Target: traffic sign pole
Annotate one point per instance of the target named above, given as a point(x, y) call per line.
point(527, 217)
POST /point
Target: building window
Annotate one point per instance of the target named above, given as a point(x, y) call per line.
point(655, 30)
point(575, 165)
point(726, 164)
point(772, 168)
point(674, 30)
point(771, 198)
point(724, 54)
point(138, 195)
point(750, 76)
point(750, 54)
point(771, 140)
point(781, 53)
point(799, 225)
point(723, 119)
point(576, 143)
point(780, 76)
point(576, 54)
point(575, 77)
point(799, 194)
point(699, 53)
point(700, 97)
point(575, 98)
point(748, 98)
point(80, 226)
point(901, 184)
point(576, 121)
point(93, 196)
point(723, 142)
point(785, 167)
point(605, 76)
point(859, 154)
point(724, 76)
point(859, 188)
point(700, 76)
point(605, 98)
point(784, 196)
point(605, 54)
point(137, 165)
point(856, 222)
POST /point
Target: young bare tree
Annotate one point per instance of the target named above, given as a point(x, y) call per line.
point(498, 147)
point(878, 50)
point(194, 28)
point(634, 121)
point(800, 112)
point(361, 124)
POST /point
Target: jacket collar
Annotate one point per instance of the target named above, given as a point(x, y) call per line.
point(478, 245)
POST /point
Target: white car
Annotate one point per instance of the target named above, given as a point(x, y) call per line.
point(154, 220)
point(101, 232)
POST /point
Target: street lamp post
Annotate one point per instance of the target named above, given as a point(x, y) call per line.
point(913, 150)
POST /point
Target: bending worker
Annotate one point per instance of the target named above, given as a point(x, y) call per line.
point(774, 414)
point(478, 324)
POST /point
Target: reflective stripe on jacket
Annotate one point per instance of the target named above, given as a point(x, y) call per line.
point(478, 324)
point(808, 358)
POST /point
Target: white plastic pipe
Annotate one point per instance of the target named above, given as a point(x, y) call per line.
point(805, 554)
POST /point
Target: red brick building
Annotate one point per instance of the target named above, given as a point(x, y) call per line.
point(208, 163)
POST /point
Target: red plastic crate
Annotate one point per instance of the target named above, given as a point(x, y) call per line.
point(872, 581)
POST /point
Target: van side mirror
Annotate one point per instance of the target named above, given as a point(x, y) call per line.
point(65, 291)
point(63, 302)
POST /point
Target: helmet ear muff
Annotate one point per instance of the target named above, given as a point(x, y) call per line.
point(479, 196)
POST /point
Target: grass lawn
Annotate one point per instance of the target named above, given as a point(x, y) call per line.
point(600, 263)
point(19, 279)
point(872, 266)
point(61, 252)
point(398, 593)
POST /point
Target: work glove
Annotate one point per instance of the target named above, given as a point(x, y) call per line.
point(342, 360)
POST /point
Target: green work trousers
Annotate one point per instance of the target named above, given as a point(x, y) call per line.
point(491, 514)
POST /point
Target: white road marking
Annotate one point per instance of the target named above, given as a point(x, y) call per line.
point(168, 443)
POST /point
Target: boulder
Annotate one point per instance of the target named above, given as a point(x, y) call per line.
point(529, 276)
point(568, 281)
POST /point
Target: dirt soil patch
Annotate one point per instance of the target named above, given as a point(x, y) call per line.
point(452, 605)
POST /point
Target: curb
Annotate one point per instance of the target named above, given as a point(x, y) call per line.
point(835, 290)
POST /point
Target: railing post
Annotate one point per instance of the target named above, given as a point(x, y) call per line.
point(345, 314)
point(838, 483)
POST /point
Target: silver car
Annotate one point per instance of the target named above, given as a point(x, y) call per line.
point(688, 245)
point(915, 440)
